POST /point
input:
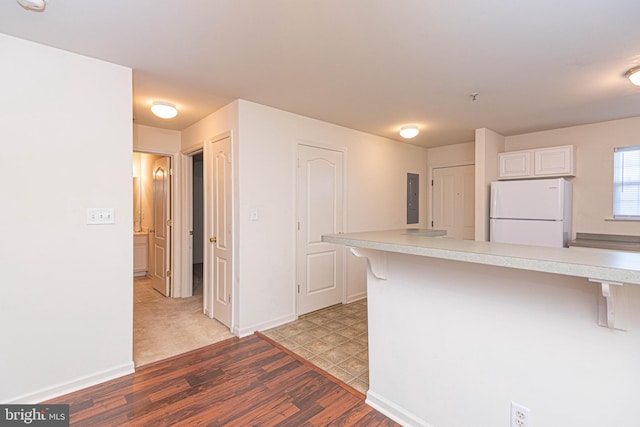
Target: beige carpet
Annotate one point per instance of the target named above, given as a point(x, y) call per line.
point(164, 327)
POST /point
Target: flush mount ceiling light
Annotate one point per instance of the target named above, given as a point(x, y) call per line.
point(164, 110)
point(634, 75)
point(34, 5)
point(409, 131)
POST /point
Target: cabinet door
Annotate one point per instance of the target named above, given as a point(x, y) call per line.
point(555, 161)
point(140, 254)
point(515, 164)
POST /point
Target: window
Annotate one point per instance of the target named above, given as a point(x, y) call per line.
point(626, 183)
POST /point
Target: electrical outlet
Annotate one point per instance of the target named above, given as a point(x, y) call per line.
point(520, 416)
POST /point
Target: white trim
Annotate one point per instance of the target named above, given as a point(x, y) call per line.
point(294, 179)
point(186, 210)
point(263, 326)
point(322, 145)
point(74, 385)
point(393, 411)
point(176, 247)
point(186, 218)
point(356, 297)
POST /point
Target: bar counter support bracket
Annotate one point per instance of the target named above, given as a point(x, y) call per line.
point(612, 304)
point(377, 261)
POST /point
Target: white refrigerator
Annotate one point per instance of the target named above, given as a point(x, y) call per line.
point(531, 212)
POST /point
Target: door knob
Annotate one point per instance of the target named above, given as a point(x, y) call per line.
point(190, 232)
point(213, 239)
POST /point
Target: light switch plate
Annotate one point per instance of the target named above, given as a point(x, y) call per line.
point(99, 216)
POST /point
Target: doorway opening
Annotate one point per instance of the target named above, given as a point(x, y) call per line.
point(197, 221)
point(152, 207)
point(170, 322)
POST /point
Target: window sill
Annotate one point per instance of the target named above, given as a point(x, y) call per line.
point(622, 219)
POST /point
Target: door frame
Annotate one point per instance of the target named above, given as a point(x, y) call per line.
point(186, 213)
point(323, 146)
point(185, 289)
point(176, 247)
point(430, 168)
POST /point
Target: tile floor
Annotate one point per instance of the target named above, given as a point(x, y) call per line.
point(334, 339)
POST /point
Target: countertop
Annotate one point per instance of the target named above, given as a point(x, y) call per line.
point(598, 264)
point(607, 241)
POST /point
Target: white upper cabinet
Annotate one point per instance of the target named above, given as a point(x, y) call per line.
point(516, 164)
point(541, 162)
point(554, 161)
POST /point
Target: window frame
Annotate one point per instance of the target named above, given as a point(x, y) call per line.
point(619, 183)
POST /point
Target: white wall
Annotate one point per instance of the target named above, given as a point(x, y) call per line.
point(223, 121)
point(376, 171)
point(593, 183)
point(491, 335)
point(66, 308)
point(264, 142)
point(446, 156)
point(487, 146)
point(155, 140)
point(197, 137)
point(452, 155)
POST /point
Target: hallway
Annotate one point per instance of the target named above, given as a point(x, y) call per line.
point(165, 327)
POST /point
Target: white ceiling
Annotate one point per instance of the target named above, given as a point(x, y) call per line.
point(371, 65)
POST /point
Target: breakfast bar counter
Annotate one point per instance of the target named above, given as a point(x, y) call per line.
point(460, 329)
point(595, 264)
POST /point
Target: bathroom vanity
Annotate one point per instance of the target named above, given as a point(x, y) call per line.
point(140, 251)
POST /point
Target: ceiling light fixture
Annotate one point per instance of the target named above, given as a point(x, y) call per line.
point(634, 75)
point(34, 5)
point(164, 110)
point(409, 131)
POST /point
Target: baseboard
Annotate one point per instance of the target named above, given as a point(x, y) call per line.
point(393, 411)
point(75, 385)
point(356, 297)
point(263, 326)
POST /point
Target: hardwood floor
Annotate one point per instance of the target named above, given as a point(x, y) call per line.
point(238, 382)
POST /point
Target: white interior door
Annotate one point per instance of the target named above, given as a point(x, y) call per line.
point(161, 238)
point(218, 265)
point(453, 201)
point(320, 211)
